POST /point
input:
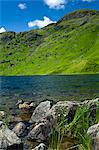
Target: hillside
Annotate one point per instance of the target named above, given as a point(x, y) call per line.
point(69, 46)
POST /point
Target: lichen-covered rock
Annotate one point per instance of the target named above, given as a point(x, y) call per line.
point(40, 147)
point(20, 129)
point(8, 137)
point(40, 112)
point(93, 133)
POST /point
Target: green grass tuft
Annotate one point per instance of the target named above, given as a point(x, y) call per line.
point(77, 129)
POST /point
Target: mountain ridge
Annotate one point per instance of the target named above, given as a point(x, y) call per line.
point(67, 47)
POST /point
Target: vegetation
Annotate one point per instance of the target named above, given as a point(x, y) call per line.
point(77, 129)
point(69, 46)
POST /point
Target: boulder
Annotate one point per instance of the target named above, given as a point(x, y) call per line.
point(40, 112)
point(40, 132)
point(66, 108)
point(93, 133)
point(93, 107)
point(8, 137)
point(40, 147)
point(20, 129)
point(47, 121)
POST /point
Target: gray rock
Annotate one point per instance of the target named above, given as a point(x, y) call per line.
point(8, 137)
point(40, 132)
point(20, 129)
point(93, 107)
point(93, 133)
point(40, 112)
point(40, 147)
point(46, 120)
point(65, 108)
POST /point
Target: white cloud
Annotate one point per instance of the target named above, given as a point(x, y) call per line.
point(2, 29)
point(60, 4)
point(40, 23)
point(22, 6)
point(55, 4)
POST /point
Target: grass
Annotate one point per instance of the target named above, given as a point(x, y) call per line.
point(68, 47)
point(77, 129)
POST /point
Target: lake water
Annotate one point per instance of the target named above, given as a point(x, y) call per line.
point(38, 88)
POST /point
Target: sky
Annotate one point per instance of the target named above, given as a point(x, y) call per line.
point(24, 15)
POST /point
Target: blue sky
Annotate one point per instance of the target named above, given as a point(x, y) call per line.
point(23, 15)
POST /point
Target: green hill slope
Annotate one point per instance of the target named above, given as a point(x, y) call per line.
point(69, 46)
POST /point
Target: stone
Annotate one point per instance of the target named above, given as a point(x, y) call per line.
point(40, 147)
point(93, 107)
point(41, 132)
point(13, 121)
point(2, 114)
point(20, 129)
point(25, 105)
point(66, 108)
point(44, 124)
point(40, 112)
point(93, 133)
point(8, 137)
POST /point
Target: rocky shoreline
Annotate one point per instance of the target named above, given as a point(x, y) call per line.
point(38, 128)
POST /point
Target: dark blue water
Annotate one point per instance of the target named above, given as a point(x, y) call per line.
point(38, 88)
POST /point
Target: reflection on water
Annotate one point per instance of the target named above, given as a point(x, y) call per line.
point(38, 88)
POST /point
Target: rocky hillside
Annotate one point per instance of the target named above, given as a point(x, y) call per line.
point(69, 46)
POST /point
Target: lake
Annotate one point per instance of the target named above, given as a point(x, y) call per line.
point(57, 87)
point(39, 88)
